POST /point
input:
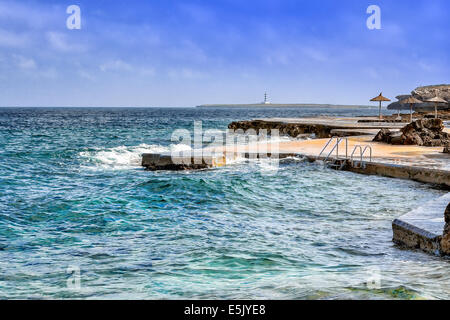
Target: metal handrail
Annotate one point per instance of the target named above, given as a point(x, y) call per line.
point(353, 153)
point(362, 152)
point(323, 150)
point(336, 147)
point(371, 152)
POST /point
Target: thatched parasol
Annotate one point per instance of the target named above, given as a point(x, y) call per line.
point(397, 105)
point(411, 101)
point(436, 100)
point(380, 98)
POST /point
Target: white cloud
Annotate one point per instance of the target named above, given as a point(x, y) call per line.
point(25, 63)
point(315, 54)
point(427, 67)
point(187, 73)
point(60, 42)
point(51, 74)
point(188, 50)
point(13, 40)
point(277, 57)
point(372, 73)
point(147, 71)
point(30, 15)
point(86, 75)
point(122, 66)
point(116, 65)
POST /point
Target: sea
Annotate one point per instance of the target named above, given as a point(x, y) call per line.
point(81, 219)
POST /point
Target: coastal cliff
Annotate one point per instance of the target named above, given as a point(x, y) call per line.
point(428, 92)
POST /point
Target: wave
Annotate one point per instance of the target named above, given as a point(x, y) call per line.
point(124, 157)
point(129, 157)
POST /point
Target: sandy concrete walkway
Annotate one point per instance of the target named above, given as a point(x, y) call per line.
point(429, 157)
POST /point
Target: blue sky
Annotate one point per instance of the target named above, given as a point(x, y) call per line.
point(185, 53)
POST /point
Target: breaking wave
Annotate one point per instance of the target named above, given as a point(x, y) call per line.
point(124, 157)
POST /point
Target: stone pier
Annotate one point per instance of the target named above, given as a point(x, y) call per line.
point(423, 227)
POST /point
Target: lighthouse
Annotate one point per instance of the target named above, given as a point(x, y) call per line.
point(266, 100)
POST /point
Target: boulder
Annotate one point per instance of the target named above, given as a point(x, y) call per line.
point(397, 138)
point(383, 136)
point(424, 132)
point(435, 125)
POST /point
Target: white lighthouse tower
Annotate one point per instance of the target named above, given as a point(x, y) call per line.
point(266, 99)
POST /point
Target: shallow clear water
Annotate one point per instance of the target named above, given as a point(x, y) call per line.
point(72, 194)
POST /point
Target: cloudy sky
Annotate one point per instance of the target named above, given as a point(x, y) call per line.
point(185, 53)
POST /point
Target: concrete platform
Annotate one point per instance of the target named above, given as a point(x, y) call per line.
point(323, 127)
point(181, 161)
point(357, 132)
point(338, 123)
point(423, 227)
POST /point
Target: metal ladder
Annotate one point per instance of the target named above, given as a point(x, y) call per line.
point(362, 152)
point(338, 162)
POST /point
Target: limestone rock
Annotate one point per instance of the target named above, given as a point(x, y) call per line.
point(447, 214)
point(289, 129)
point(427, 92)
point(383, 136)
point(445, 244)
point(424, 132)
point(447, 148)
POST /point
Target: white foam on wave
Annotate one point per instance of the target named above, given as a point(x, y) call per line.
point(125, 157)
point(130, 157)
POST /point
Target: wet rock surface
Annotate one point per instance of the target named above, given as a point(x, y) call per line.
point(445, 242)
point(425, 132)
point(447, 219)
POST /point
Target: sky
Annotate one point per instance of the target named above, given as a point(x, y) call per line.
point(151, 53)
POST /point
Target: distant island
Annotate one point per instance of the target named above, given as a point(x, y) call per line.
point(267, 104)
point(281, 105)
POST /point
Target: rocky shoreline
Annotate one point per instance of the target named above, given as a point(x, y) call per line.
point(426, 132)
point(285, 129)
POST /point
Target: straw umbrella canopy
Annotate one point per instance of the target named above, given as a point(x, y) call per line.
point(397, 105)
point(380, 98)
point(436, 100)
point(411, 101)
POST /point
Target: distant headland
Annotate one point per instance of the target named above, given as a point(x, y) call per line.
point(281, 105)
point(267, 104)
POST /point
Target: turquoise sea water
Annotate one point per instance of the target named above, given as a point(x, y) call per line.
point(72, 195)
